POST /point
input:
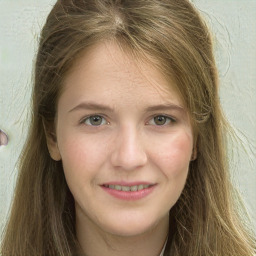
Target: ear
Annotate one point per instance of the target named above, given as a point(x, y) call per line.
point(195, 143)
point(51, 140)
point(194, 154)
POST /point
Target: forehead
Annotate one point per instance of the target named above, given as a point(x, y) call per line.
point(107, 70)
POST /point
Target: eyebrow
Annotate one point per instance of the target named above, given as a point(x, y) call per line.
point(102, 107)
point(91, 106)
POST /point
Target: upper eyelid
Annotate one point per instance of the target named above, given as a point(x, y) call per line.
point(164, 115)
point(91, 115)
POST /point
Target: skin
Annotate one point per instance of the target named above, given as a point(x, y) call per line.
point(128, 144)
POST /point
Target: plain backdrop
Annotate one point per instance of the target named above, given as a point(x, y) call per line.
point(233, 23)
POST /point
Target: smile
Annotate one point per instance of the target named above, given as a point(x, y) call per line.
point(128, 188)
point(129, 192)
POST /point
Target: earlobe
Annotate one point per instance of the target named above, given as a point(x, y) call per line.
point(51, 141)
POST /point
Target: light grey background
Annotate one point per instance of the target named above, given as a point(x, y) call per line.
point(234, 25)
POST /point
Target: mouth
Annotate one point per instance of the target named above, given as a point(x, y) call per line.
point(133, 188)
point(130, 192)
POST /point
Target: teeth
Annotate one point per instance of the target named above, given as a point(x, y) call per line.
point(140, 187)
point(128, 188)
point(117, 187)
point(134, 188)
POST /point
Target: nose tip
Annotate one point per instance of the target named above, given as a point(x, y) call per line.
point(128, 153)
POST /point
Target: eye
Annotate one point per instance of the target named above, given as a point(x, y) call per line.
point(95, 120)
point(161, 120)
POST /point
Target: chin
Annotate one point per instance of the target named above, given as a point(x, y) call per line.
point(128, 227)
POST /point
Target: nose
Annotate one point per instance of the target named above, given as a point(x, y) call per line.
point(128, 151)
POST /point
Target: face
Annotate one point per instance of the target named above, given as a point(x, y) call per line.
point(125, 140)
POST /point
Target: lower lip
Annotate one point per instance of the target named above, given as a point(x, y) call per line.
point(129, 196)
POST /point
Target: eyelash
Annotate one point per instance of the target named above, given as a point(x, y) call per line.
point(170, 120)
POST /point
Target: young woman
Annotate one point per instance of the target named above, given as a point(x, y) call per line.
point(126, 151)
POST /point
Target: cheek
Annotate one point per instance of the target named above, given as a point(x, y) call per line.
point(174, 153)
point(81, 155)
point(82, 160)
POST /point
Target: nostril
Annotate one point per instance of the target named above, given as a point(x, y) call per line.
point(3, 139)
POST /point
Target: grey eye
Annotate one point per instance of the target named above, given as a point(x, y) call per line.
point(95, 120)
point(160, 120)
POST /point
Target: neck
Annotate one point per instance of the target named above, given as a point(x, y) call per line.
point(96, 242)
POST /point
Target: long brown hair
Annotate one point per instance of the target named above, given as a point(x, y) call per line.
point(173, 37)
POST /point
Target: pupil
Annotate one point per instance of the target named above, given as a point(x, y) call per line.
point(95, 120)
point(160, 120)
